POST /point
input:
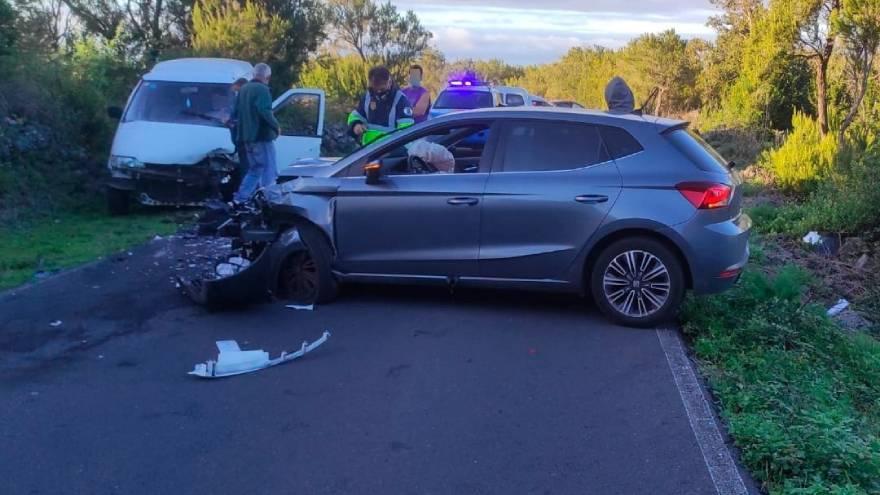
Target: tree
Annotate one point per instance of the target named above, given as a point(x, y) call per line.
point(280, 33)
point(816, 37)
point(45, 24)
point(351, 20)
point(663, 61)
point(493, 70)
point(248, 32)
point(342, 78)
point(379, 34)
point(859, 27)
point(307, 25)
point(434, 68)
point(101, 17)
point(721, 64)
point(8, 33)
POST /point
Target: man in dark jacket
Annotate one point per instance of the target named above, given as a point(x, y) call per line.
point(383, 109)
point(256, 129)
point(232, 124)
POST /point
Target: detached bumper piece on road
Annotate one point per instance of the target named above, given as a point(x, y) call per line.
point(233, 361)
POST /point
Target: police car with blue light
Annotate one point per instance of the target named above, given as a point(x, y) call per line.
point(469, 93)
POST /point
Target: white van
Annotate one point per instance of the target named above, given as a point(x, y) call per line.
point(172, 146)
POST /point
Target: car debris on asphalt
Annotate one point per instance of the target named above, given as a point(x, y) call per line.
point(305, 307)
point(231, 360)
point(56, 323)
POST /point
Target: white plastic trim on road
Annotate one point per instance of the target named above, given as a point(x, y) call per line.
point(719, 462)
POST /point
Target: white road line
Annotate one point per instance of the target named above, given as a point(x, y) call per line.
point(721, 467)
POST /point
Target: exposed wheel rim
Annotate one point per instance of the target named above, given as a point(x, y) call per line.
point(636, 283)
point(300, 277)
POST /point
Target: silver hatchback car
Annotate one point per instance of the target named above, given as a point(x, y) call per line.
point(634, 210)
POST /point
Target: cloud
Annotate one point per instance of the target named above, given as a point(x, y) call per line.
point(519, 33)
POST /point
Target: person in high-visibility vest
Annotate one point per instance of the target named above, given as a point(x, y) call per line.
point(383, 109)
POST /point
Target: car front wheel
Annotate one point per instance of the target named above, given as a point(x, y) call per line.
point(306, 276)
point(638, 282)
point(118, 201)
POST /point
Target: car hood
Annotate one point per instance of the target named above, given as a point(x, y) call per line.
point(308, 167)
point(169, 144)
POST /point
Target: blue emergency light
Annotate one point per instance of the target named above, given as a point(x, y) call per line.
point(465, 82)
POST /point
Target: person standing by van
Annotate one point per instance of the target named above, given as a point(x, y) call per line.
point(257, 130)
point(232, 124)
point(418, 96)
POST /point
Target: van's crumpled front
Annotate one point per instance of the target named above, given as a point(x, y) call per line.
point(233, 361)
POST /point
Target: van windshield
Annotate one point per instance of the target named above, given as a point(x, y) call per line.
point(181, 103)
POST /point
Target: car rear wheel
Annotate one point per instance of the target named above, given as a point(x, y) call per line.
point(638, 282)
point(306, 276)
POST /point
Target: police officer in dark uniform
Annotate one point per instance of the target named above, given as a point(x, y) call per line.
point(383, 109)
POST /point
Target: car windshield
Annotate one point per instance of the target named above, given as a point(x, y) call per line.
point(464, 100)
point(181, 103)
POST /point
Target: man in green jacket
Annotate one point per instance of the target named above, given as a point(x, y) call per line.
point(257, 130)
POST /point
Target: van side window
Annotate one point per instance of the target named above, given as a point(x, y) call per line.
point(541, 146)
point(619, 142)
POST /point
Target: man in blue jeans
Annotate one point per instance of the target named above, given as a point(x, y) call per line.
point(257, 130)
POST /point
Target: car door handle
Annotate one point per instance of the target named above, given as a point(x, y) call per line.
point(463, 201)
point(591, 199)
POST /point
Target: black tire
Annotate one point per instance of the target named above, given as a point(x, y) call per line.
point(306, 277)
point(647, 312)
point(118, 201)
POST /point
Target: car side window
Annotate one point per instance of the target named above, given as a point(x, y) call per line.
point(542, 146)
point(514, 100)
point(449, 150)
point(619, 142)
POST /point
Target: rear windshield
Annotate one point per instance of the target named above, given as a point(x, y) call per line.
point(181, 103)
point(464, 100)
point(698, 150)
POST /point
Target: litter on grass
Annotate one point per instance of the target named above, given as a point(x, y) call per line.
point(812, 238)
point(231, 360)
point(838, 308)
point(307, 307)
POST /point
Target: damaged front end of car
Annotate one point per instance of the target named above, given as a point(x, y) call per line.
point(264, 233)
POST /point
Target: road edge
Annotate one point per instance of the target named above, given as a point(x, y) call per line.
point(720, 463)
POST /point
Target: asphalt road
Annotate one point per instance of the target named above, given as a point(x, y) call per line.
point(417, 391)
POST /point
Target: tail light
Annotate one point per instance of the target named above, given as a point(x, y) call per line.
point(705, 195)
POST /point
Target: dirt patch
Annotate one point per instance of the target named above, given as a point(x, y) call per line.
point(852, 273)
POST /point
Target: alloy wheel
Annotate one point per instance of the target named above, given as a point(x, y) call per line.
point(636, 283)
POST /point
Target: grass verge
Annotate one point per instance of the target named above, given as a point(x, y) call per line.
point(69, 239)
point(801, 398)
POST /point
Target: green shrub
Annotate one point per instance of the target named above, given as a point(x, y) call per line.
point(801, 398)
point(54, 131)
point(847, 201)
point(804, 159)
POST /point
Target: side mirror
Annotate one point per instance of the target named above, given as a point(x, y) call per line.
point(114, 112)
point(373, 172)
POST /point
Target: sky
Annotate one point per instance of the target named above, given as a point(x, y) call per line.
point(529, 31)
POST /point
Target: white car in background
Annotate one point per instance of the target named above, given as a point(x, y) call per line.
point(172, 145)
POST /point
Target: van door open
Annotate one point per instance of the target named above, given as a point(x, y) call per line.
point(300, 112)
